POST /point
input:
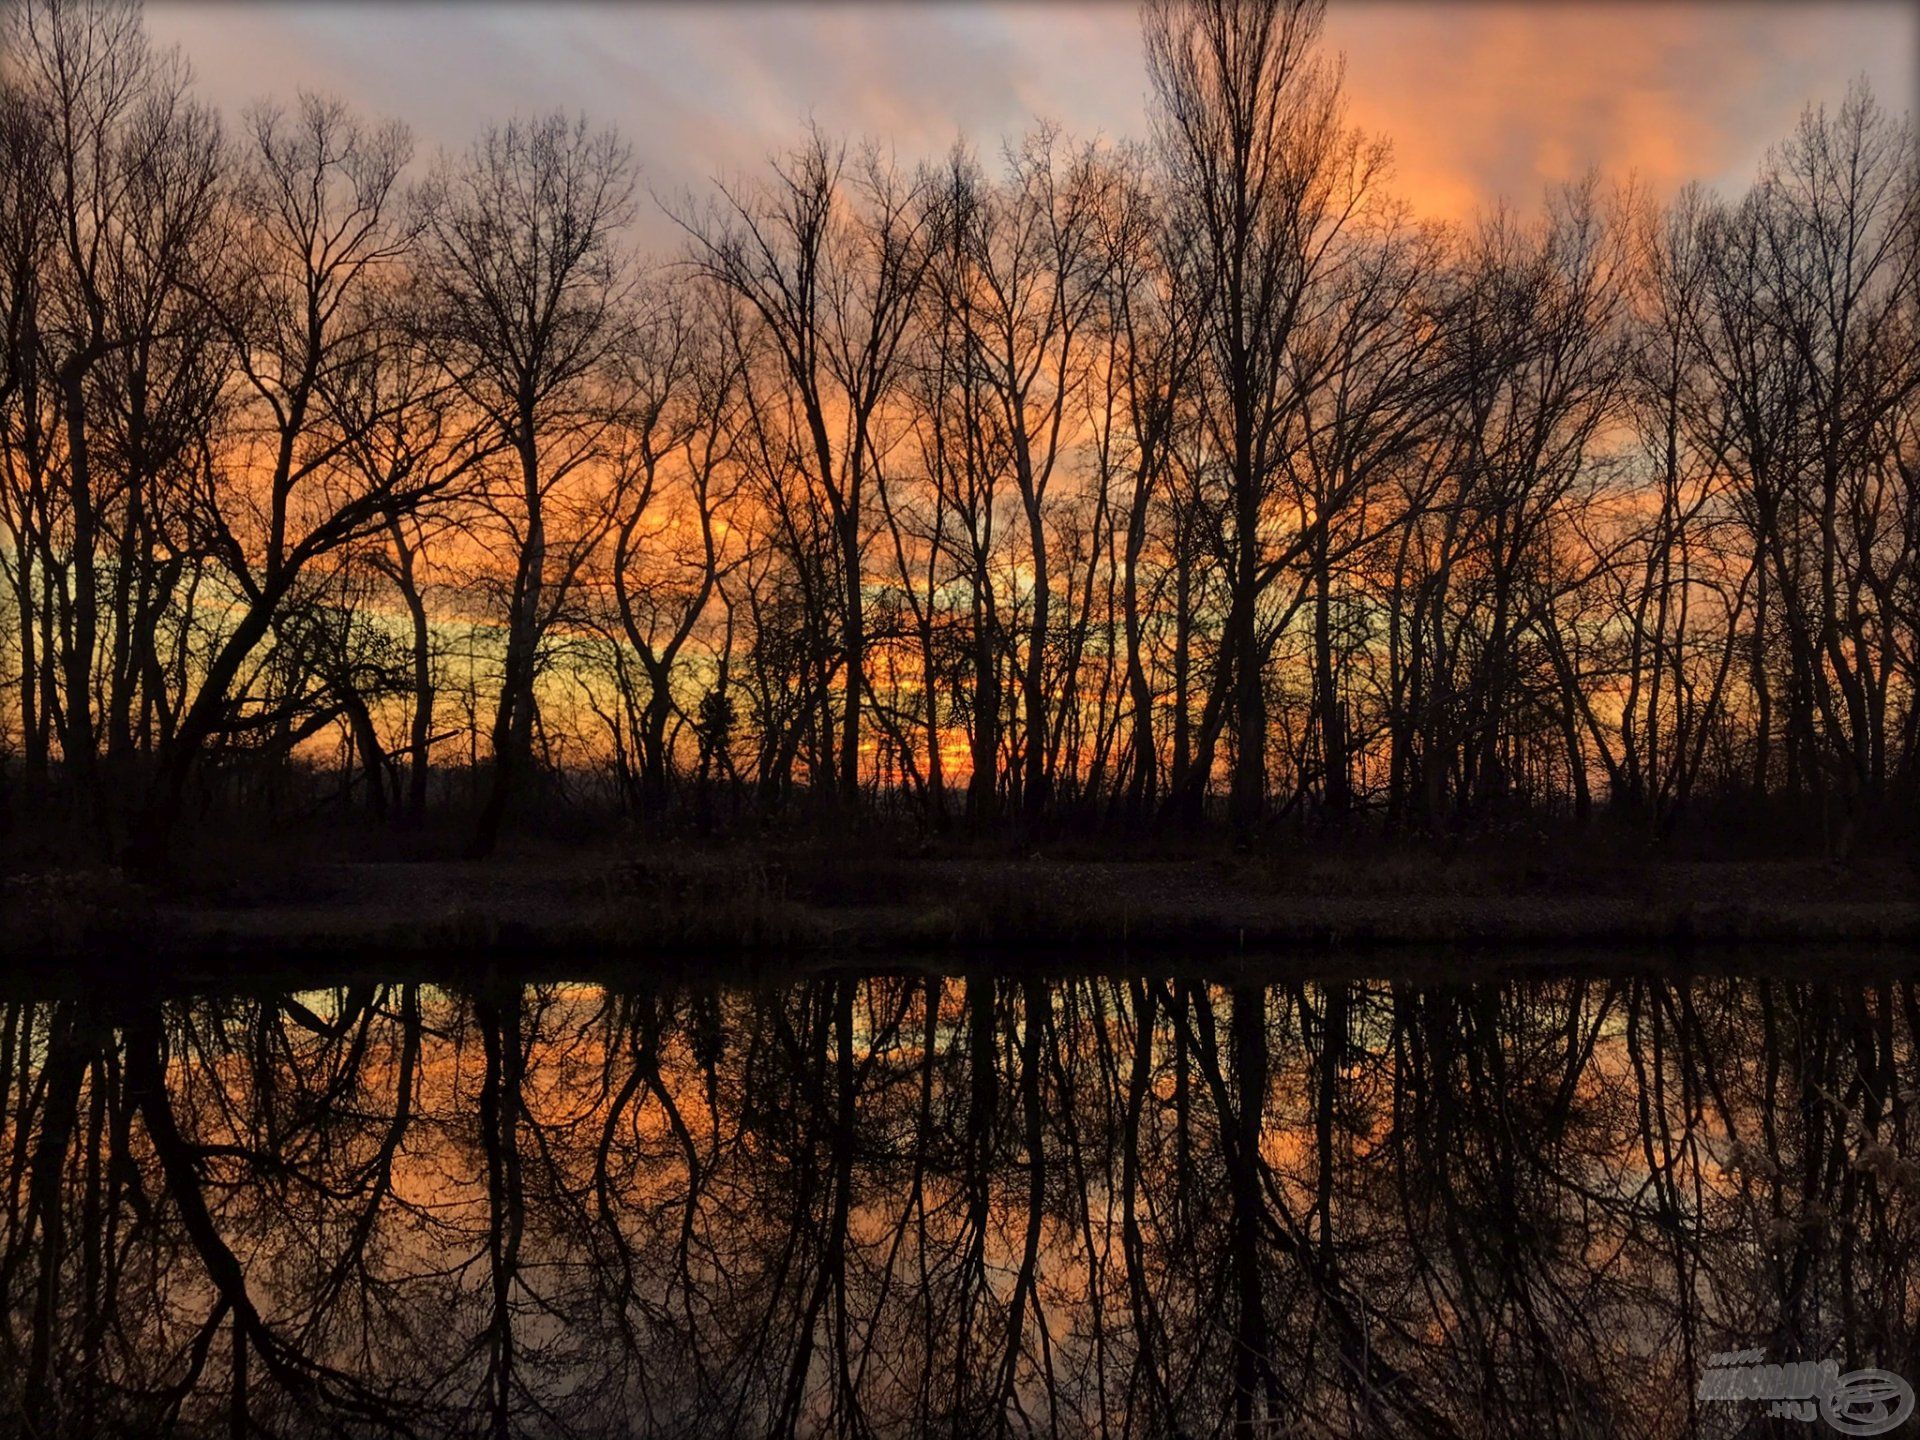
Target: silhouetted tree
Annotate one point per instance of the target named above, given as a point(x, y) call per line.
point(526, 289)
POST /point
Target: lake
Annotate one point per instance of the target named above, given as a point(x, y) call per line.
point(1249, 1199)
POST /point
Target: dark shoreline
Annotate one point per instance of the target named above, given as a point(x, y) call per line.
point(678, 910)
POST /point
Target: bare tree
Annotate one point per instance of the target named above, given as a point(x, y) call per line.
point(1263, 176)
point(670, 550)
point(1131, 472)
point(1811, 328)
point(1033, 273)
point(109, 374)
point(527, 288)
point(313, 229)
point(829, 262)
point(408, 429)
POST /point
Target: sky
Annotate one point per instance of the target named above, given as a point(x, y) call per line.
point(1484, 100)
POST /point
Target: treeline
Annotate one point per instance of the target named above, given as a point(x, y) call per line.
point(1119, 483)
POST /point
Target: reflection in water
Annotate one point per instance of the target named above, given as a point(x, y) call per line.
point(904, 1205)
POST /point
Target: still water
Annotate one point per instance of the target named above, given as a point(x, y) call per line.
point(893, 1204)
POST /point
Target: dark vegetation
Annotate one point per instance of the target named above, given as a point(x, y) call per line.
point(1190, 500)
point(579, 900)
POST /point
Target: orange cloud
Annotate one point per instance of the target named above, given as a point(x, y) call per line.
point(1490, 100)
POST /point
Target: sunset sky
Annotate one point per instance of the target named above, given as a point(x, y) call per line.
point(1482, 100)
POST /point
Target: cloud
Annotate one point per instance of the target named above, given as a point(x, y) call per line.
point(1492, 100)
point(1483, 98)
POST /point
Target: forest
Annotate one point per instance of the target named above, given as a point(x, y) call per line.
point(1190, 481)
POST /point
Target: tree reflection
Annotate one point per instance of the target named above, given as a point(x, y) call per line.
point(903, 1204)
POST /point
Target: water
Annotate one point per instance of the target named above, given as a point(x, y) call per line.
point(906, 1204)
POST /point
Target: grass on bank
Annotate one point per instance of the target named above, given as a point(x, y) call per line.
point(598, 889)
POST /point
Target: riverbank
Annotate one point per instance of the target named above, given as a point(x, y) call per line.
point(813, 901)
